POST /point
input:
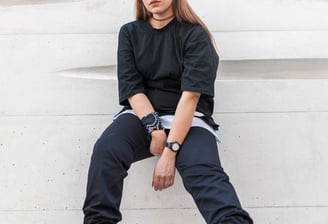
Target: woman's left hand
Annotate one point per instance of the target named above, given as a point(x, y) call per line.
point(164, 171)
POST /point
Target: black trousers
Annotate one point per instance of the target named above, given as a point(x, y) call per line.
point(125, 141)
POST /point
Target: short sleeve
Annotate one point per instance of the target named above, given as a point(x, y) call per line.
point(200, 63)
point(130, 81)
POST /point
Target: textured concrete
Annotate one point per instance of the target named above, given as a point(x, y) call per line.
point(58, 92)
point(259, 29)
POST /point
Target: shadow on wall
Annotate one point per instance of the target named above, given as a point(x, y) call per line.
point(32, 2)
point(230, 70)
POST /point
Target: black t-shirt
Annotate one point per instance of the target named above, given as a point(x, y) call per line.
point(164, 62)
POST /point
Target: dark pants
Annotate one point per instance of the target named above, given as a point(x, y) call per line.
point(125, 141)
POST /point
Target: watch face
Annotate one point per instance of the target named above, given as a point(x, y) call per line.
point(175, 146)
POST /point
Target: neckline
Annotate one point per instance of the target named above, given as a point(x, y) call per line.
point(164, 19)
point(160, 29)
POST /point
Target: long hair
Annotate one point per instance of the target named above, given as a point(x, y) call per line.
point(182, 10)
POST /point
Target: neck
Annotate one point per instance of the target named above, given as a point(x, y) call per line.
point(159, 23)
point(162, 19)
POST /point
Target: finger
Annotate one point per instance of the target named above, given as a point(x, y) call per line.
point(169, 182)
point(160, 183)
point(154, 149)
point(155, 152)
point(156, 182)
point(151, 149)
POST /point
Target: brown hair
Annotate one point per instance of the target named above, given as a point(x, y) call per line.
point(182, 10)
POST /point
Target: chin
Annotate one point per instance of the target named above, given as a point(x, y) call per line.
point(156, 11)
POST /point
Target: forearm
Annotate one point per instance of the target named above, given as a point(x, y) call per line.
point(183, 116)
point(164, 170)
point(141, 105)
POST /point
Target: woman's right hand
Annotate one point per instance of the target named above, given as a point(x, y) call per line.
point(142, 106)
point(157, 144)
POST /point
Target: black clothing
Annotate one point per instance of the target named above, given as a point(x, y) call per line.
point(164, 62)
point(125, 141)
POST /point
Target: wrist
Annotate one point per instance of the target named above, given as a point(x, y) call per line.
point(168, 153)
point(174, 146)
point(151, 122)
point(157, 132)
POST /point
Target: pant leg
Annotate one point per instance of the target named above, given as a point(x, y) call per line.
point(123, 142)
point(203, 177)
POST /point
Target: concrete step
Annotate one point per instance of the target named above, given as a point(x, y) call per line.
point(271, 103)
point(273, 117)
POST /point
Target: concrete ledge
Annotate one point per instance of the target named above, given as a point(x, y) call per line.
point(273, 113)
point(274, 69)
point(253, 86)
point(230, 70)
point(301, 215)
point(282, 153)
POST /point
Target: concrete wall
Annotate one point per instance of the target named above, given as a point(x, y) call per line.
point(273, 120)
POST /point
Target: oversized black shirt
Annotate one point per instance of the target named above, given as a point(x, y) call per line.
point(164, 62)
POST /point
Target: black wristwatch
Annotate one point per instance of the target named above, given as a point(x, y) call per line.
point(174, 146)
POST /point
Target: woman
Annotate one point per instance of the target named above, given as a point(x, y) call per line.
point(166, 71)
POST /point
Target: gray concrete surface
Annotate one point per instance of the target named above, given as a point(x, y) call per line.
point(58, 92)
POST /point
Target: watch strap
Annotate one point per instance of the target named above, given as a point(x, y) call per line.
point(174, 146)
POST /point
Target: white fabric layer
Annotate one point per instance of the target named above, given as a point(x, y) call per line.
point(167, 121)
